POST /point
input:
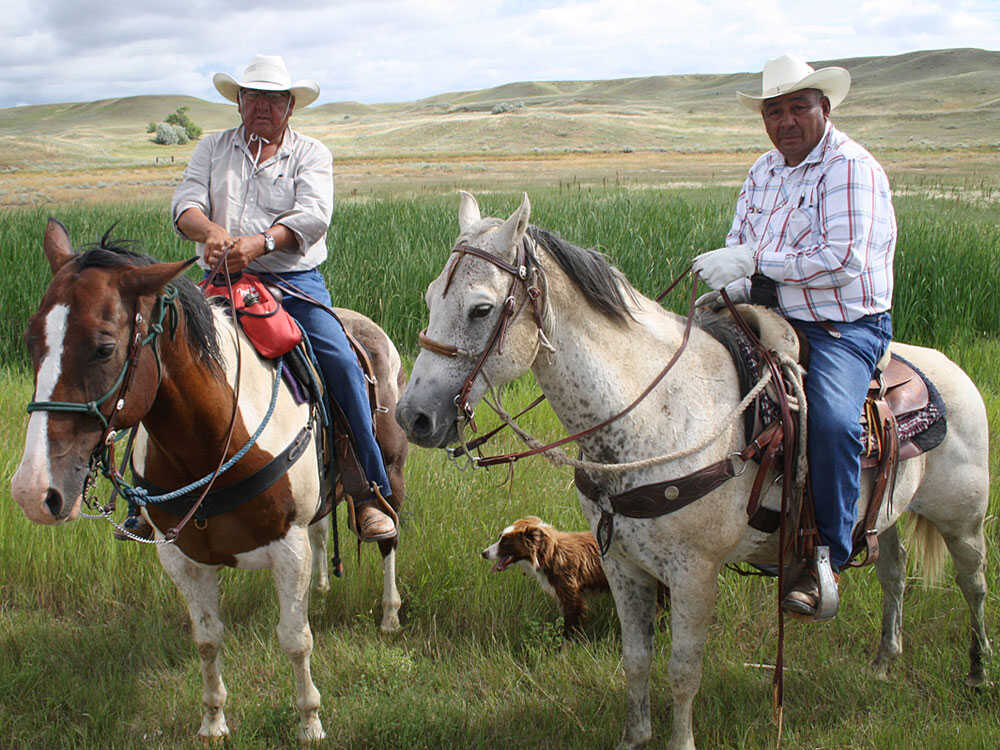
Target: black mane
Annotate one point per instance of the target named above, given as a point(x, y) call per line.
point(111, 253)
point(603, 285)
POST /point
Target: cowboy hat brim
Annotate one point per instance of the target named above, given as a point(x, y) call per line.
point(304, 91)
point(833, 82)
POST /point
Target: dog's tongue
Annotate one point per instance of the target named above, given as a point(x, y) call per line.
point(502, 564)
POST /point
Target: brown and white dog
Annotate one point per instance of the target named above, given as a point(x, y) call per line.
point(566, 564)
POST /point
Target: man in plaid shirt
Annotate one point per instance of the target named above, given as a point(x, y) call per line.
point(815, 228)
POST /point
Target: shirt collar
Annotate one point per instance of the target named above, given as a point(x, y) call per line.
point(284, 150)
point(776, 161)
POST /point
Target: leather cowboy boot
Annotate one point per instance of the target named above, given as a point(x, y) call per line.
point(373, 519)
point(802, 599)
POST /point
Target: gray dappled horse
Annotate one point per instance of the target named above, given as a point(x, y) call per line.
point(608, 343)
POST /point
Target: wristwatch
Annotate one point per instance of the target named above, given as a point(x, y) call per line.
point(268, 243)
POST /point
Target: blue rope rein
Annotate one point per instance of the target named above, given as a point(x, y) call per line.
point(141, 497)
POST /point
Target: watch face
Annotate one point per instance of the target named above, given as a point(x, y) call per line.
point(268, 242)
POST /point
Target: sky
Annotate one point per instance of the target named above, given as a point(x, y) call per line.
point(402, 50)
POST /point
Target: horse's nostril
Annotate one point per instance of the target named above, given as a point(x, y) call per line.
point(54, 502)
point(421, 424)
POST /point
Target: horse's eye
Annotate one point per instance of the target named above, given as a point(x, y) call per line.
point(104, 351)
point(481, 310)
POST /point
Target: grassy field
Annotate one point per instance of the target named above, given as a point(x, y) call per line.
point(94, 639)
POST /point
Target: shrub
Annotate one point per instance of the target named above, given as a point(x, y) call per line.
point(180, 118)
point(170, 135)
point(151, 128)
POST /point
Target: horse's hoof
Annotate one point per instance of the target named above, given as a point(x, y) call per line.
point(312, 733)
point(977, 681)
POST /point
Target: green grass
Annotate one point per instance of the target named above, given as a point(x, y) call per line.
point(95, 647)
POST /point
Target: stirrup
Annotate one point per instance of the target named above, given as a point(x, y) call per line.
point(829, 598)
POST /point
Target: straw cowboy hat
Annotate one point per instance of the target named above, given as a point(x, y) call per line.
point(267, 73)
point(788, 73)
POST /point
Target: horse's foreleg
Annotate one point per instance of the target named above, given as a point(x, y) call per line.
point(634, 592)
point(891, 570)
point(291, 565)
point(693, 585)
point(391, 601)
point(199, 586)
point(968, 551)
point(319, 532)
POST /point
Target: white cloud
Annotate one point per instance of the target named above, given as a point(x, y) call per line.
point(397, 50)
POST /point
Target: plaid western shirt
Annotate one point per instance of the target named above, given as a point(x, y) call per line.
point(824, 230)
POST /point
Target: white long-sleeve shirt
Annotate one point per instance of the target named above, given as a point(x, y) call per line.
point(293, 188)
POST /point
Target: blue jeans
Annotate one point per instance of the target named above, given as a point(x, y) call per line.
point(341, 371)
point(840, 370)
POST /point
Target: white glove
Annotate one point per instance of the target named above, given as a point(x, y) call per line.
point(738, 293)
point(718, 267)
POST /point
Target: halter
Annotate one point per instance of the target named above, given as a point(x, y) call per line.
point(524, 266)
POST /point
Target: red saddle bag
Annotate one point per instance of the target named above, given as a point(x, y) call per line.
point(270, 328)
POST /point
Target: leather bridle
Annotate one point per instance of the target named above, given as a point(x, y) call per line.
point(525, 273)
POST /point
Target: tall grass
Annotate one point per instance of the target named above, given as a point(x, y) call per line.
point(384, 252)
point(95, 647)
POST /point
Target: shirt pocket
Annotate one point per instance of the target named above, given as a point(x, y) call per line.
point(278, 196)
point(755, 221)
point(799, 228)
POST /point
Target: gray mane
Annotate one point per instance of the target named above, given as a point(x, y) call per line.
point(602, 285)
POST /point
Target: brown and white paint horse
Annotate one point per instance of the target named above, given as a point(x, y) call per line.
point(181, 390)
point(596, 344)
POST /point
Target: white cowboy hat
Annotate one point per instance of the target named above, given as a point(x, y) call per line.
point(788, 73)
point(267, 73)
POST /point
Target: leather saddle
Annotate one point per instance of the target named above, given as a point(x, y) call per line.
point(903, 414)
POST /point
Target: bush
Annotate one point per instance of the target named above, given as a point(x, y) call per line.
point(170, 135)
point(181, 119)
point(506, 107)
point(151, 128)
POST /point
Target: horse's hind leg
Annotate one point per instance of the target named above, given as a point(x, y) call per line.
point(291, 565)
point(968, 551)
point(199, 585)
point(319, 532)
point(891, 570)
point(391, 601)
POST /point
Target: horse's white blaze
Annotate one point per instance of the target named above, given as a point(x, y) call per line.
point(33, 477)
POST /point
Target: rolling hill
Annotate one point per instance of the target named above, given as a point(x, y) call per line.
point(942, 99)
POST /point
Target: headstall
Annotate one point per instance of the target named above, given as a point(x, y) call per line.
point(525, 272)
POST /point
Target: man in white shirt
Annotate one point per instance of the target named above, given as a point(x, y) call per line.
point(815, 228)
point(264, 192)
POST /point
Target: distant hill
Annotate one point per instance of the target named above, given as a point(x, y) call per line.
point(948, 99)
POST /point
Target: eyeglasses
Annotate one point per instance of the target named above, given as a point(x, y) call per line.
point(253, 96)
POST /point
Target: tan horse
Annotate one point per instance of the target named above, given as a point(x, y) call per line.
point(95, 333)
point(608, 342)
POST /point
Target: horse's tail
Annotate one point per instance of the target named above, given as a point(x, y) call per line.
point(927, 549)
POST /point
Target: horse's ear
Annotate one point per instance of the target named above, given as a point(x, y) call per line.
point(468, 212)
point(150, 279)
point(513, 229)
point(58, 248)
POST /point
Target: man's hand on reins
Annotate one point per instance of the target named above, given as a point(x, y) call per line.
point(718, 267)
point(242, 250)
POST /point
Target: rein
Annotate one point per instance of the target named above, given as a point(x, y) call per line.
point(519, 272)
